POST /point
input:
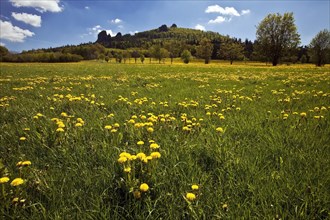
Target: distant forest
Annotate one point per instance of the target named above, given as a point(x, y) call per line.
point(163, 42)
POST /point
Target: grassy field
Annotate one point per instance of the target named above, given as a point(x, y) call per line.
point(95, 140)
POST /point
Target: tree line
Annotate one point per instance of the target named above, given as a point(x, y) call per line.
point(276, 42)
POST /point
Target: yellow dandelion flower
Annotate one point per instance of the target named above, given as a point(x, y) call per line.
point(122, 159)
point(140, 143)
point(132, 157)
point(127, 170)
point(150, 129)
point(125, 154)
point(60, 130)
point(108, 127)
point(15, 200)
point(219, 129)
point(63, 114)
point(113, 130)
point(4, 179)
point(225, 206)
point(141, 156)
point(26, 163)
point(26, 129)
point(194, 187)
point(154, 146)
point(155, 155)
point(17, 182)
point(116, 125)
point(191, 196)
point(303, 114)
point(19, 163)
point(144, 187)
point(60, 124)
point(78, 124)
point(22, 138)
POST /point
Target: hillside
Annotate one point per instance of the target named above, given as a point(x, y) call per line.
point(160, 35)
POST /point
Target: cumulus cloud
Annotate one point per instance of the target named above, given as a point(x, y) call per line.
point(218, 20)
point(116, 21)
point(200, 27)
point(224, 11)
point(42, 6)
point(245, 12)
point(13, 33)
point(31, 19)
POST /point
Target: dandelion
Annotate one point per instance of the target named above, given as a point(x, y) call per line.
point(108, 127)
point(78, 124)
point(127, 170)
point(155, 155)
point(15, 200)
point(219, 129)
point(4, 179)
point(25, 163)
point(191, 196)
point(194, 187)
point(144, 187)
point(225, 207)
point(26, 129)
point(122, 159)
point(17, 182)
point(303, 114)
point(140, 143)
point(60, 130)
point(60, 124)
point(154, 146)
point(150, 129)
point(22, 138)
point(116, 125)
point(63, 114)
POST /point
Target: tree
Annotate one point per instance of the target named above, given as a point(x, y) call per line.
point(142, 58)
point(3, 51)
point(174, 48)
point(127, 55)
point(320, 47)
point(158, 53)
point(277, 34)
point(135, 55)
point(204, 50)
point(186, 56)
point(231, 51)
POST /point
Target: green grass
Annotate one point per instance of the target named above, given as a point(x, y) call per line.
point(265, 165)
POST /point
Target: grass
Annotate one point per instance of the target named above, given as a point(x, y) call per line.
point(238, 131)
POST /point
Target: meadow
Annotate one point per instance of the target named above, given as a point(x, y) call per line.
point(96, 140)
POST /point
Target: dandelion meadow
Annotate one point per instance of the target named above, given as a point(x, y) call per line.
point(95, 140)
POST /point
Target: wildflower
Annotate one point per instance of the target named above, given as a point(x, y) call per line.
point(141, 156)
point(144, 187)
point(15, 200)
point(4, 179)
point(60, 124)
point(219, 129)
point(78, 124)
point(26, 129)
point(122, 159)
point(125, 154)
point(26, 163)
point(116, 125)
point(303, 114)
point(191, 196)
point(63, 114)
point(150, 129)
point(155, 155)
point(22, 138)
point(140, 143)
point(225, 207)
point(194, 187)
point(108, 127)
point(17, 182)
point(154, 146)
point(60, 130)
point(127, 170)
point(113, 130)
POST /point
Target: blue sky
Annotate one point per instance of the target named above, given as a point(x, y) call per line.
point(32, 24)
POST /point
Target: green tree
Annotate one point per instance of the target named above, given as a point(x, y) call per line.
point(158, 52)
point(135, 54)
point(174, 48)
point(320, 47)
point(3, 52)
point(204, 50)
point(186, 56)
point(231, 51)
point(127, 55)
point(142, 58)
point(276, 34)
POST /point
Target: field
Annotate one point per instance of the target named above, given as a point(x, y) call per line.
point(97, 140)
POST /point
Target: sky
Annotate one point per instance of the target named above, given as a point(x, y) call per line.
point(34, 24)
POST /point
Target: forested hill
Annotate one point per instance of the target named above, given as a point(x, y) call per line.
point(161, 35)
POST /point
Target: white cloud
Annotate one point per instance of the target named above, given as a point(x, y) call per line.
point(116, 21)
point(132, 33)
point(2, 44)
point(96, 30)
point(87, 7)
point(218, 20)
point(231, 11)
point(13, 33)
point(40, 5)
point(245, 12)
point(31, 19)
point(200, 27)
